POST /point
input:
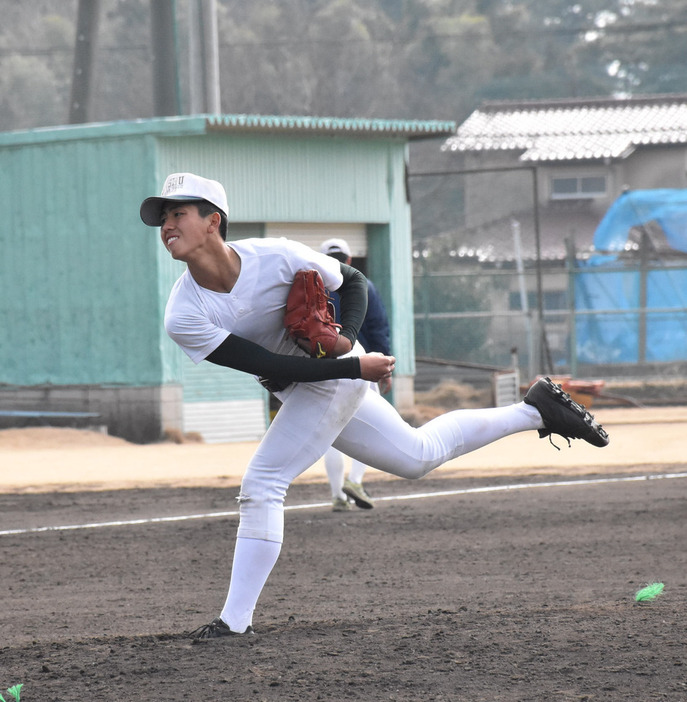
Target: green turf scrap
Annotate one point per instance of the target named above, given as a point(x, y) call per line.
point(648, 593)
point(15, 691)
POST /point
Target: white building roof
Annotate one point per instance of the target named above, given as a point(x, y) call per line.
point(572, 129)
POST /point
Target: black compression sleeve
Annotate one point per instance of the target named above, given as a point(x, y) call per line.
point(243, 355)
point(353, 301)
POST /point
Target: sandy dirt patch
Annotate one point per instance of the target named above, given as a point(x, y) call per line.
point(40, 459)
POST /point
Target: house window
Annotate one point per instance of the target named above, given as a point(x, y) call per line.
point(577, 187)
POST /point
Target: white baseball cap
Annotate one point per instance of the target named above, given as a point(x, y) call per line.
point(180, 187)
point(335, 246)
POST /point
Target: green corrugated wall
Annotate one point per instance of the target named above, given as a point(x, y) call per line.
point(271, 178)
point(78, 281)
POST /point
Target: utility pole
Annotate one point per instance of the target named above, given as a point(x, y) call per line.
point(203, 57)
point(84, 53)
point(163, 34)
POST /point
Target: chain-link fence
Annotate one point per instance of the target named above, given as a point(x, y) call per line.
point(625, 320)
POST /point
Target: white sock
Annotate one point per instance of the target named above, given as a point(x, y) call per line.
point(253, 562)
point(483, 426)
point(334, 465)
point(355, 474)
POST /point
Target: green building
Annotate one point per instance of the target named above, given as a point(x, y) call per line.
point(83, 282)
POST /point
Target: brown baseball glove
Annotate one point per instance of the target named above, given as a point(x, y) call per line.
point(309, 315)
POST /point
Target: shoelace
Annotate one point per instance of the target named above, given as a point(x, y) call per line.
point(558, 448)
point(203, 632)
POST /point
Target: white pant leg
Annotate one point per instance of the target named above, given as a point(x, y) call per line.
point(334, 465)
point(358, 468)
point(379, 437)
point(311, 417)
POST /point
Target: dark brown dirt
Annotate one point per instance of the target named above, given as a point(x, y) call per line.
point(511, 595)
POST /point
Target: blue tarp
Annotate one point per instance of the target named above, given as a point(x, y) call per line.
point(635, 208)
point(612, 335)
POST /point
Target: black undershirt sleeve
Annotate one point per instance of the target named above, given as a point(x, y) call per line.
point(243, 355)
point(353, 302)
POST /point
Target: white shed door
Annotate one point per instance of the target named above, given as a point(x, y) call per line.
point(314, 234)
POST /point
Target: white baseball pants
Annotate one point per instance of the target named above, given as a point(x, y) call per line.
point(359, 422)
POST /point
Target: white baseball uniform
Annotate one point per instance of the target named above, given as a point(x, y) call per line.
point(342, 412)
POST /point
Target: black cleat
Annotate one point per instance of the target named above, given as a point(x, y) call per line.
point(215, 630)
point(562, 415)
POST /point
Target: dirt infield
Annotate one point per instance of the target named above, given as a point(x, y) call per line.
point(512, 589)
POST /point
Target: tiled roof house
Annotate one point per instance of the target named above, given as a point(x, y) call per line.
point(578, 155)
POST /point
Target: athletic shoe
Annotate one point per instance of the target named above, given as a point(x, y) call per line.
point(215, 630)
point(357, 493)
point(340, 505)
point(562, 415)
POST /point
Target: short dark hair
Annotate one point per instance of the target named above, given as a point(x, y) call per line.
point(339, 256)
point(206, 208)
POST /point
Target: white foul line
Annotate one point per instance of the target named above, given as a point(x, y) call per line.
point(316, 505)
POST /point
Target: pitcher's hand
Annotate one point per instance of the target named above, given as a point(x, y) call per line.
point(376, 366)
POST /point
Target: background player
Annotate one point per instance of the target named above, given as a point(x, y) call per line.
point(373, 336)
point(228, 308)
